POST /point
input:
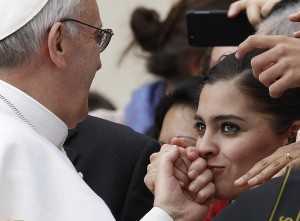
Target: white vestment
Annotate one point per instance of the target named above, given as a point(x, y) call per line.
point(37, 180)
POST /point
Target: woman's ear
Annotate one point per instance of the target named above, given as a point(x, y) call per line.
point(56, 46)
point(293, 131)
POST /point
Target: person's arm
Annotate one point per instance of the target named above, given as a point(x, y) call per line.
point(256, 9)
point(157, 214)
point(271, 166)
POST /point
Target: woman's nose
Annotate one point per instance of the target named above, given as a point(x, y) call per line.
point(207, 146)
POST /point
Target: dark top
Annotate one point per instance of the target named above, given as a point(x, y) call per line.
point(258, 203)
point(113, 160)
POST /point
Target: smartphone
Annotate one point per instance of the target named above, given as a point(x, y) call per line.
point(214, 28)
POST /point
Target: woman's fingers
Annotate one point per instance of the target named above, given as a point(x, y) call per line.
point(206, 193)
point(196, 168)
point(201, 181)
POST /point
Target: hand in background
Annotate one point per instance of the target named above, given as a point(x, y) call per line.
point(256, 9)
point(278, 68)
point(271, 166)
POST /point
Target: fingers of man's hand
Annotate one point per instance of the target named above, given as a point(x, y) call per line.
point(266, 60)
point(268, 6)
point(253, 12)
point(181, 177)
point(206, 193)
point(196, 168)
point(278, 87)
point(257, 42)
point(150, 178)
point(201, 181)
point(272, 74)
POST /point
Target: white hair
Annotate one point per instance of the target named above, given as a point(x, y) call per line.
point(21, 45)
point(278, 22)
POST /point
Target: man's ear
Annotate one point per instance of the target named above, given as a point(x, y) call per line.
point(56, 46)
point(293, 131)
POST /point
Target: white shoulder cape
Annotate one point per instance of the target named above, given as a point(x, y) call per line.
point(38, 182)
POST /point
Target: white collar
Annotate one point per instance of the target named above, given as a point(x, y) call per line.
point(46, 123)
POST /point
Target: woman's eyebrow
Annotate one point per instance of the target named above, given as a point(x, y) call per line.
point(222, 117)
point(228, 117)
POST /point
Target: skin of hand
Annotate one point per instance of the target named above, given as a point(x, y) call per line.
point(295, 18)
point(277, 68)
point(189, 169)
point(169, 195)
point(181, 166)
point(271, 166)
point(256, 9)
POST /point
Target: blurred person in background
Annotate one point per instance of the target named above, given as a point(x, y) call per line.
point(176, 112)
point(168, 56)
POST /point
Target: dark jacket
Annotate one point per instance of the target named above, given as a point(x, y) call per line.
point(257, 204)
point(113, 160)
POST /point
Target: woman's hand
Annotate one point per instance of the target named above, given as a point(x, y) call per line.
point(271, 166)
point(256, 9)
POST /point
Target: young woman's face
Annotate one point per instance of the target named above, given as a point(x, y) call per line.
point(233, 136)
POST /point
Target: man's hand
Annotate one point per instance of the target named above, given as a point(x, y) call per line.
point(256, 9)
point(278, 68)
point(272, 166)
point(181, 166)
point(169, 195)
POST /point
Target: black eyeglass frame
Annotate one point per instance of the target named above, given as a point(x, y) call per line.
point(103, 36)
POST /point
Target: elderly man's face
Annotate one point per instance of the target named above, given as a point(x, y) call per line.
point(84, 57)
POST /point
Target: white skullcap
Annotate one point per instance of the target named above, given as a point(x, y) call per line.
point(17, 13)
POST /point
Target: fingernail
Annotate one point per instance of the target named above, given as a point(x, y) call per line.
point(237, 55)
point(192, 174)
point(253, 181)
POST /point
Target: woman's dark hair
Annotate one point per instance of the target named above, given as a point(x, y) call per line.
point(185, 93)
point(166, 41)
point(283, 110)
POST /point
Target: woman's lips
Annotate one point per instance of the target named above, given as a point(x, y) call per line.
point(216, 169)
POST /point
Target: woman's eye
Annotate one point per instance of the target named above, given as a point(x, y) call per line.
point(230, 128)
point(200, 126)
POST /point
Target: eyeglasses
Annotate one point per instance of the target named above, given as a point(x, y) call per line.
point(103, 36)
